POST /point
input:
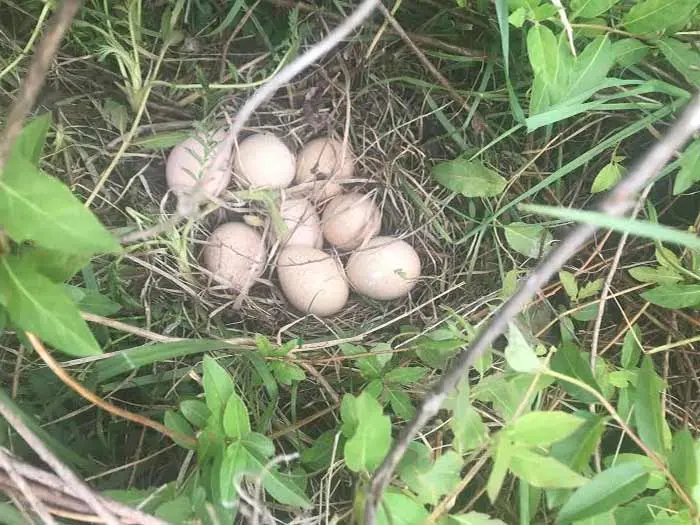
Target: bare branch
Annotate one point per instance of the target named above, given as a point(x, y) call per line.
point(620, 200)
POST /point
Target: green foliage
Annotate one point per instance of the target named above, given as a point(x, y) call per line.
point(469, 178)
point(368, 432)
point(651, 16)
point(647, 408)
point(530, 240)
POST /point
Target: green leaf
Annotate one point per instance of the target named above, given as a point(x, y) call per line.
point(519, 354)
point(502, 455)
point(543, 471)
point(473, 518)
point(570, 362)
point(218, 386)
point(469, 178)
point(319, 455)
point(631, 348)
point(37, 305)
point(372, 437)
point(233, 465)
point(651, 16)
point(591, 66)
point(684, 58)
point(530, 240)
point(607, 178)
point(576, 450)
point(398, 509)
point(258, 444)
point(236, 421)
point(542, 49)
point(682, 462)
point(507, 394)
point(689, 173)
point(278, 485)
point(542, 429)
point(568, 281)
point(195, 411)
point(466, 424)
point(674, 295)
point(590, 8)
point(36, 207)
point(590, 289)
point(658, 275)
point(629, 51)
point(401, 403)
point(91, 301)
point(605, 491)
point(437, 480)
point(656, 480)
point(405, 375)
point(517, 17)
point(647, 407)
point(176, 422)
point(370, 366)
point(31, 141)
point(57, 266)
point(287, 373)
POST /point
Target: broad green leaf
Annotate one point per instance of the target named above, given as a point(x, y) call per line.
point(218, 386)
point(349, 415)
point(631, 348)
point(372, 437)
point(590, 289)
point(236, 421)
point(605, 491)
point(607, 178)
point(399, 509)
point(543, 471)
point(530, 240)
point(674, 295)
point(651, 16)
point(37, 305)
point(91, 301)
point(233, 465)
point(568, 281)
point(370, 366)
point(658, 275)
point(540, 99)
point(590, 8)
point(287, 373)
point(473, 518)
point(689, 173)
point(508, 394)
point(318, 456)
point(195, 411)
point(591, 66)
point(401, 403)
point(467, 426)
point(542, 429)
point(517, 17)
point(178, 510)
point(685, 58)
point(469, 178)
point(405, 375)
point(258, 444)
point(647, 407)
point(569, 361)
point(179, 424)
point(57, 266)
point(656, 480)
point(36, 207)
point(637, 511)
point(575, 451)
point(31, 141)
point(682, 462)
point(278, 485)
point(436, 481)
point(501, 457)
point(542, 50)
point(629, 51)
point(519, 353)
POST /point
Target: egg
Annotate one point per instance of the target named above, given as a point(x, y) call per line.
point(264, 161)
point(303, 224)
point(349, 219)
point(235, 255)
point(323, 160)
point(203, 157)
point(312, 281)
point(386, 268)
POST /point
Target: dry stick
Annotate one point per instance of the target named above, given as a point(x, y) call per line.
point(620, 200)
point(25, 489)
point(97, 400)
point(35, 77)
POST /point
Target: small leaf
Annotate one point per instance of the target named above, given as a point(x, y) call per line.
point(674, 295)
point(179, 424)
point(467, 426)
point(631, 348)
point(651, 16)
point(31, 141)
point(629, 51)
point(590, 289)
point(689, 173)
point(319, 455)
point(590, 8)
point(41, 307)
point(405, 375)
point(36, 207)
point(401, 403)
point(519, 353)
point(91, 301)
point(469, 178)
point(647, 407)
point(502, 456)
point(399, 509)
point(371, 440)
point(435, 481)
point(236, 421)
point(542, 429)
point(370, 366)
point(658, 275)
point(607, 178)
point(530, 240)
point(543, 471)
point(684, 58)
point(195, 411)
point(604, 492)
point(287, 373)
point(517, 17)
point(683, 461)
point(568, 281)
point(218, 386)
point(569, 361)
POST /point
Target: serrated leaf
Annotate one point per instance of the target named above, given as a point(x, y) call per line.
point(647, 407)
point(437, 480)
point(501, 457)
point(218, 386)
point(179, 424)
point(195, 411)
point(36, 207)
point(519, 353)
point(590, 8)
point(37, 305)
point(542, 429)
point(31, 141)
point(405, 375)
point(685, 58)
point(569, 361)
point(543, 471)
point(568, 281)
point(401, 403)
point(607, 178)
point(674, 295)
point(682, 462)
point(631, 348)
point(658, 275)
point(372, 437)
point(530, 240)
point(605, 491)
point(689, 173)
point(469, 178)
point(236, 421)
point(629, 51)
point(651, 16)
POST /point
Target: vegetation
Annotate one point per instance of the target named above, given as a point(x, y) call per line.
point(167, 393)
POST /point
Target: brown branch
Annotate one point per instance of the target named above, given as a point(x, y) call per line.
point(97, 400)
point(35, 77)
point(618, 202)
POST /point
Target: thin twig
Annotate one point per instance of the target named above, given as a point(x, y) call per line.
point(35, 77)
point(25, 489)
point(619, 201)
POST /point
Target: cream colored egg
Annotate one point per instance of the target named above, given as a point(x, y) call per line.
point(349, 219)
point(324, 161)
point(264, 161)
point(312, 281)
point(205, 158)
point(386, 268)
point(303, 224)
point(235, 255)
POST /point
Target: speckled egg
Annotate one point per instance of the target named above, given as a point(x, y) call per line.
point(349, 219)
point(235, 255)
